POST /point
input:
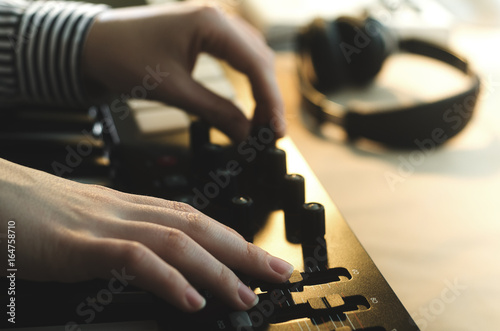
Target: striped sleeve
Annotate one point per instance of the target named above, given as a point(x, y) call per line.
point(40, 50)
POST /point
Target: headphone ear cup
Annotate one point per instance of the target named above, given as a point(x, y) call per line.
point(315, 42)
point(346, 51)
point(363, 48)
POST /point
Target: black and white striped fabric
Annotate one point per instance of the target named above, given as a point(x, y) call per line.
point(40, 49)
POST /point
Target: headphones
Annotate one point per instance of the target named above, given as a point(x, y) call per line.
point(350, 52)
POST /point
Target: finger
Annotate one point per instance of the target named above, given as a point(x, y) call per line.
point(193, 261)
point(261, 111)
point(137, 206)
point(134, 263)
point(193, 97)
point(251, 56)
point(225, 244)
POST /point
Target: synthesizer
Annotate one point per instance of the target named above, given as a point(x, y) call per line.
point(262, 188)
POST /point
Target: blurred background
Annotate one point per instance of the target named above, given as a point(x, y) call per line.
point(430, 220)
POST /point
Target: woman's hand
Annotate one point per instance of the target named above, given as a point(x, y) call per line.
point(123, 43)
point(68, 231)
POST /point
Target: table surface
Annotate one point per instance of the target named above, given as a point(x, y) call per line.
point(430, 221)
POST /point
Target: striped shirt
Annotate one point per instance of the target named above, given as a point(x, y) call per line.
point(40, 50)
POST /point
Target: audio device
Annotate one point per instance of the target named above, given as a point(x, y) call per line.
point(262, 188)
point(350, 52)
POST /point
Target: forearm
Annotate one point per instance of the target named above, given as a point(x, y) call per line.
point(40, 50)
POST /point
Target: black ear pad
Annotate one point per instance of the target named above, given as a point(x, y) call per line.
point(363, 48)
point(314, 43)
point(346, 51)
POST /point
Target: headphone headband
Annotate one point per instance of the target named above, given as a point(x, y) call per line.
point(404, 127)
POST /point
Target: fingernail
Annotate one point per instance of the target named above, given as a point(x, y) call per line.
point(281, 267)
point(195, 300)
point(247, 295)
